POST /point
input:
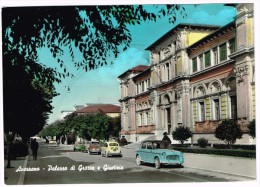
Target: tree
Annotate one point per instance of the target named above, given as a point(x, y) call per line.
point(98, 33)
point(181, 134)
point(114, 127)
point(228, 131)
point(27, 99)
point(251, 127)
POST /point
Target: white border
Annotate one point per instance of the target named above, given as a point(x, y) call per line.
point(16, 3)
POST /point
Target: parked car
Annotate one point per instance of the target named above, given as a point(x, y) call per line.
point(154, 151)
point(94, 147)
point(79, 146)
point(51, 141)
point(111, 149)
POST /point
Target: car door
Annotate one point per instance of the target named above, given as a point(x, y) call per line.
point(149, 152)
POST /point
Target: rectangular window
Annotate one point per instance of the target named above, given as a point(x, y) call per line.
point(207, 59)
point(142, 86)
point(140, 119)
point(216, 109)
point(201, 111)
point(232, 46)
point(201, 62)
point(137, 89)
point(168, 71)
point(223, 52)
point(149, 82)
point(194, 64)
point(215, 56)
point(233, 107)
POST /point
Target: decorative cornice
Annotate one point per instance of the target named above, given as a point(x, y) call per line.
point(241, 52)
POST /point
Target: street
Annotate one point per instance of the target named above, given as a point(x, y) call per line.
point(61, 165)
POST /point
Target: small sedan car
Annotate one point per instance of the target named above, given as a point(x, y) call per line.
point(155, 152)
point(94, 147)
point(111, 149)
point(79, 146)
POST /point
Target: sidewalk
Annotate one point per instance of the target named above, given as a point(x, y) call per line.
point(11, 177)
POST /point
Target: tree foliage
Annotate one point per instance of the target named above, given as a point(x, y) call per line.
point(181, 134)
point(97, 33)
point(251, 127)
point(96, 125)
point(228, 131)
point(27, 99)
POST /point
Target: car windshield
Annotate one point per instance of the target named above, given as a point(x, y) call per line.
point(153, 145)
point(113, 144)
point(95, 143)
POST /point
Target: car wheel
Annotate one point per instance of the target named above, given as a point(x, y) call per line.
point(138, 160)
point(157, 163)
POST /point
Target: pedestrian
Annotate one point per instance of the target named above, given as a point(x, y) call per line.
point(166, 139)
point(123, 141)
point(34, 148)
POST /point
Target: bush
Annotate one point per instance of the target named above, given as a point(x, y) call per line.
point(228, 131)
point(226, 152)
point(202, 142)
point(181, 134)
point(251, 128)
point(236, 146)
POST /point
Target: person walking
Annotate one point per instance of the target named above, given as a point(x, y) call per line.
point(166, 139)
point(34, 148)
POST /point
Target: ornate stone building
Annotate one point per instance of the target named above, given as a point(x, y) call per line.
point(198, 76)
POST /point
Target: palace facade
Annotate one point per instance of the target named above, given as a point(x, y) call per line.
point(198, 76)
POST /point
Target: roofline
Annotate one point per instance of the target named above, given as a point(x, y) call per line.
point(140, 74)
point(210, 35)
point(131, 70)
point(179, 26)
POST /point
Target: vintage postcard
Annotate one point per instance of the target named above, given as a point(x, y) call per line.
point(112, 93)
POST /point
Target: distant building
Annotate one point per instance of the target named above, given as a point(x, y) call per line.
point(65, 113)
point(108, 109)
point(198, 76)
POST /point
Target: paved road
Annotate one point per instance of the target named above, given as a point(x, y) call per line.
point(57, 165)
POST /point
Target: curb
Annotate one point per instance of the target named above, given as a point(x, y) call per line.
point(22, 175)
point(221, 172)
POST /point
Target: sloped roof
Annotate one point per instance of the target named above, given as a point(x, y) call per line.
point(105, 108)
point(139, 68)
point(210, 36)
point(181, 26)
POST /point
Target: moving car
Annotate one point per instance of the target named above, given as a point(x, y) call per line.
point(79, 146)
point(155, 152)
point(94, 147)
point(111, 149)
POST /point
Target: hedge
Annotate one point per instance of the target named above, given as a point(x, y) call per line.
point(226, 152)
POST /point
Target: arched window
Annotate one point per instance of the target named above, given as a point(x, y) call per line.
point(167, 99)
point(215, 87)
point(200, 91)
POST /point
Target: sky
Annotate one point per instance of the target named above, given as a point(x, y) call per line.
point(102, 85)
